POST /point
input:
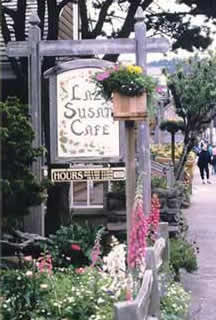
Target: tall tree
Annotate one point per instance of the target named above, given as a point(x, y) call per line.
point(193, 89)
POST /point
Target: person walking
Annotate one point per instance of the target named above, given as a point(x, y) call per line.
point(214, 159)
point(203, 162)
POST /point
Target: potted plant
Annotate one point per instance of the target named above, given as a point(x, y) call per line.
point(128, 87)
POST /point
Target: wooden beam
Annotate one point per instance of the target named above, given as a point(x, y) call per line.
point(17, 49)
point(85, 47)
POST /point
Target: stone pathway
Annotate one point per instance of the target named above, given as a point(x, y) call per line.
point(201, 217)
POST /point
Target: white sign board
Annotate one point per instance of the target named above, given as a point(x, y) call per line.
point(84, 119)
point(86, 174)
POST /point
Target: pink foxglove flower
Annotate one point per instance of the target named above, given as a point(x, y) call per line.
point(96, 250)
point(137, 236)
point(154, 218)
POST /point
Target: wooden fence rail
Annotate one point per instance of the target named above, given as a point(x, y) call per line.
point(146, 306)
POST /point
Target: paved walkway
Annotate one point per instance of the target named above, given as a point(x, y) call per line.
point(201, 217)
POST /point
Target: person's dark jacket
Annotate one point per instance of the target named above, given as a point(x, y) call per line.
point(204, 159)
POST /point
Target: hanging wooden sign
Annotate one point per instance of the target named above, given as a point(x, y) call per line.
point(81, 121)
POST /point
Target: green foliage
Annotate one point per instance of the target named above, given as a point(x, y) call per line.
point(129, 81)
point(172, 126)
point(158, 182)
point(19, 187)
point(182, 255)
point(174, 305)
point(59, 244)
point(193, 88)
point(62, 295)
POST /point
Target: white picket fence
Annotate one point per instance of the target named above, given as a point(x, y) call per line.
point(146, 306)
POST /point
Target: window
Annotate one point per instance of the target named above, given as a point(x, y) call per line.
point(87, 194)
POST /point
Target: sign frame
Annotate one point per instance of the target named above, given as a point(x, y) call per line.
point(52, 74)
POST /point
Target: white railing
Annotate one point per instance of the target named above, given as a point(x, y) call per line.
point(146, 306)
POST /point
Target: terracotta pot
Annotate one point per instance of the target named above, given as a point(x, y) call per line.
point(129, 108)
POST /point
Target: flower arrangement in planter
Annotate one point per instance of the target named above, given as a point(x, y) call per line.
point(128, 87)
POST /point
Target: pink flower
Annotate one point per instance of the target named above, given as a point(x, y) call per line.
point(75, 247)
point(28, 258)
point(116, 67)
point(80, 270)
point(96, 250)
point(137, 236)
point(102, 76)
point(95, 254)
point(154, 218)
point(44, 264)
point(128, 295)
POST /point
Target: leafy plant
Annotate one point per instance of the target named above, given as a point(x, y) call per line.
point(182, 255)
point(71, 245)
point(126, 80)
point(158, 182)
point(174, 305)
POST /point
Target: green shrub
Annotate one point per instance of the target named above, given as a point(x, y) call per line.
point(20, 189)
point(174, 306)
point(59, 245)
point(182, 255)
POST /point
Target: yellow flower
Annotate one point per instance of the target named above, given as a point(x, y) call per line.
point(134, 69)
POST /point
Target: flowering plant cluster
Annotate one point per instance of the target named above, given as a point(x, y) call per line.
point(36, 293)
point(176, 302)
point(126, 80)
point(71, 245)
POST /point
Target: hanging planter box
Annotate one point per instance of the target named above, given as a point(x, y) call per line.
point(129, 108)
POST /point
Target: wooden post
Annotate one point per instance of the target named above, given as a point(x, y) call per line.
point(34, 221)
point(143, 129)
point(164, 232)
point(131, 171)
point(154, 307)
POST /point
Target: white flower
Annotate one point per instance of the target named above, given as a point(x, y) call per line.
point(44, 286)
point(29, 273)
point(100, 300)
